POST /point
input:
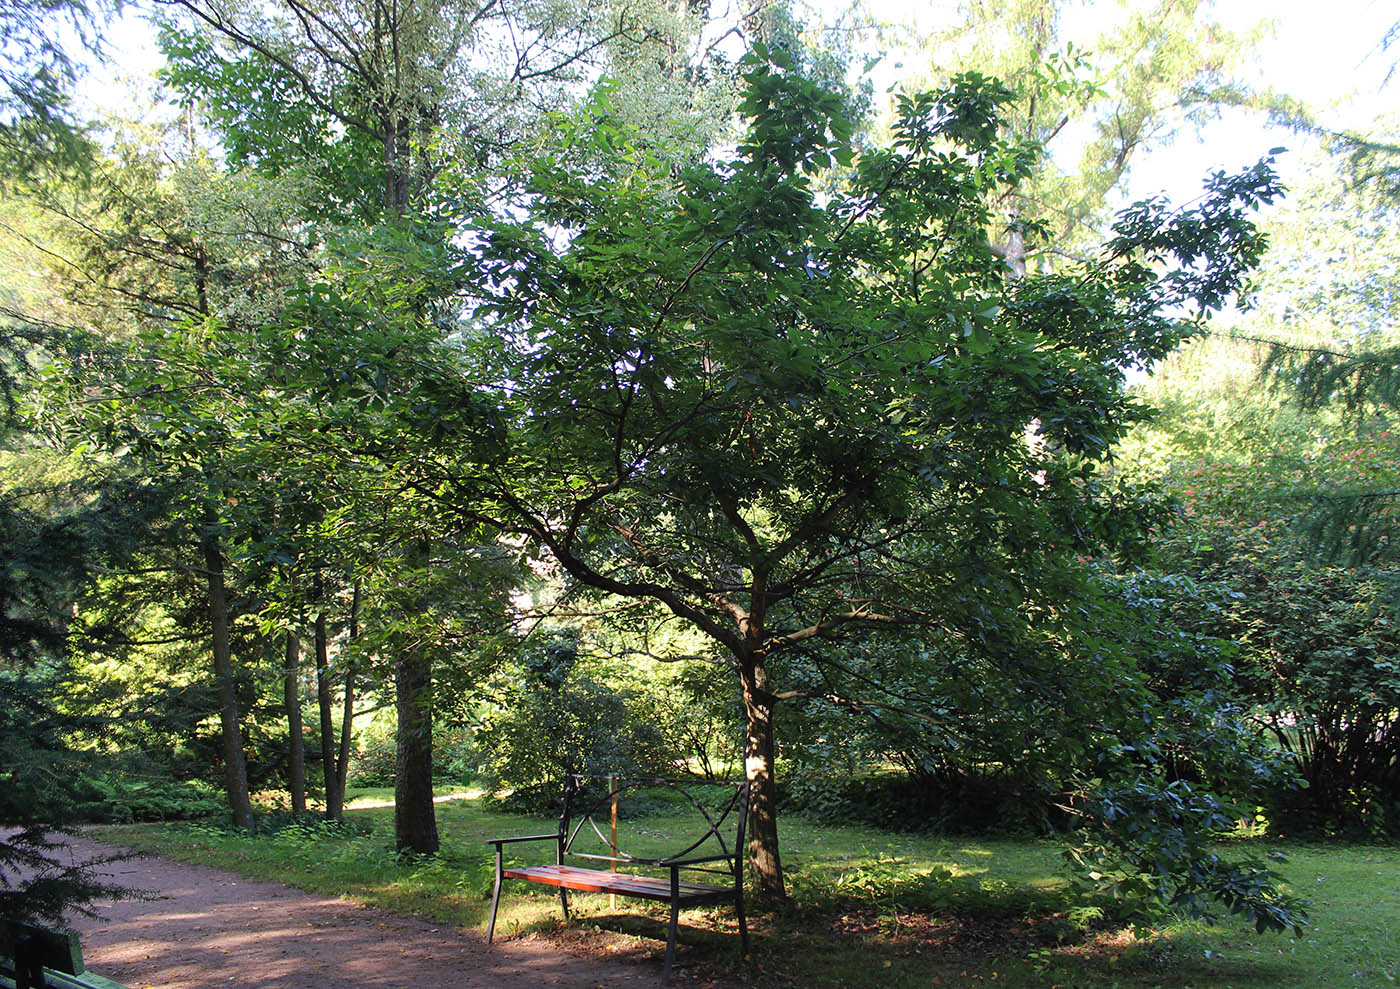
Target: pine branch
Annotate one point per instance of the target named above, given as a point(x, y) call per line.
point(1322, 376)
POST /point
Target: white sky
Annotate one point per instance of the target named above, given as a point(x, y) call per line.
point(1324, 53)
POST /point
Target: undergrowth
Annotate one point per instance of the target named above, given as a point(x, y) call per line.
point(866, 907)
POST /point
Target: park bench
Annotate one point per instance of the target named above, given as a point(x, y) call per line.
point(589, 799)
point(34, 957)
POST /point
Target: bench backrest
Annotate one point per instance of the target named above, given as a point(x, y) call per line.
point(27, 947)
point(719, 810)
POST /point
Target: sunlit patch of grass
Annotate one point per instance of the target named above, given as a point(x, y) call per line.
point(366, 798)
point(867, 908)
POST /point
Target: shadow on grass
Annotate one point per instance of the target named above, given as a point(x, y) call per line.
point(852, 920)
point(934, 928)
point(885, 931)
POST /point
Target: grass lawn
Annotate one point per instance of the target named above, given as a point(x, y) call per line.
point(868, 908)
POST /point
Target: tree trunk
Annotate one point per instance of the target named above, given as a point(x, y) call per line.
point(764, 862)
point(334, 800)
point(347, 714)
point(230, 733)
point(415, 823)
point(1016, 247)
point(296, 745)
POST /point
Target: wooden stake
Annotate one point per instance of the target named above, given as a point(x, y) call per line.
point(612, 866)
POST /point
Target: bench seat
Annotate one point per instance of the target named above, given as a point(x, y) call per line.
point(621, 883)
point(707, 850)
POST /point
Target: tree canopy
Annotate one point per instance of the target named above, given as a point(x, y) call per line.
point(793, 398)
point(450, 314)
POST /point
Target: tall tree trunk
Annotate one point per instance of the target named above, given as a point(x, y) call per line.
point(334, 801)
point(296, 744)
point(415, 821)
point(764, 862)
point(1016, 249)
point(230, 733)
point(347, 714)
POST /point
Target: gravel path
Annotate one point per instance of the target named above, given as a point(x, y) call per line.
point(213, 928)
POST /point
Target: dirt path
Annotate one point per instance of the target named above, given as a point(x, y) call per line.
point(213, 928)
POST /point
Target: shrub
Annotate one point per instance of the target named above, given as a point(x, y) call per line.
point(951, 803)
point(556, 721)
point(120, 798)
point(376, 752)
point(455, 755)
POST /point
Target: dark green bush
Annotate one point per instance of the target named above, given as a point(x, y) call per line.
point(638, 799)
point(554, 722)
point(455, 755)
point(119, 798)
point(375, 757)
point(951, 804)
point(309, 826)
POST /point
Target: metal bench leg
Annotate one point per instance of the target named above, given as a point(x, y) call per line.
point(495, 898)
point(564, 900)
point(743, 923)
point(675, 919)
point(671, 940)
point(29, 965)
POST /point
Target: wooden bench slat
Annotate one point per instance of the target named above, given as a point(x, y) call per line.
point(632, 878)
point(626, 884)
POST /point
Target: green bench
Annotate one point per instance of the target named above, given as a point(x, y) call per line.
point(580, 837)
point(34, 957)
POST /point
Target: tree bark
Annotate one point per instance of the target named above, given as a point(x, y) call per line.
point(230, 733)
point(334, 801)
point(296, 744)
point(764, 861)
point(1016, 251)
point(415, 821)
point(347, 714)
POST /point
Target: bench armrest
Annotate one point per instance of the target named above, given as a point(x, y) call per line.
point(498, 842)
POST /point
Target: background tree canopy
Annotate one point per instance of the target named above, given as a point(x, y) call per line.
point(1279, 439)
point(528, 370)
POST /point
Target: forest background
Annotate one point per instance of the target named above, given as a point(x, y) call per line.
point(394, 408)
